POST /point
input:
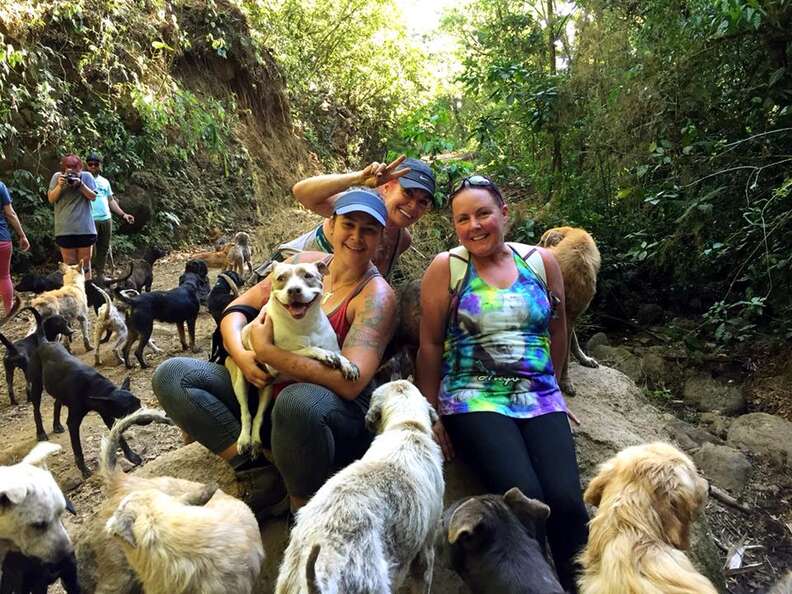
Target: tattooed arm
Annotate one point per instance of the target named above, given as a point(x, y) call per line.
point(373, 314)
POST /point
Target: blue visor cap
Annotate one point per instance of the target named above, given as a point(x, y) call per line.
point(420, 176)
point(362, 201)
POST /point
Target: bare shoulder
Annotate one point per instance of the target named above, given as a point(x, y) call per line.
point(377, 291)
point(306, 257)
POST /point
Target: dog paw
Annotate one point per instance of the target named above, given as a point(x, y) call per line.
point(244, 447)
point(589, 362)
point(85, 472)
point(256, 450)
point(349, 370)
point(97, 361)
point(42, 436)
point(568, 388)
point(196, 349)
point(58, 428)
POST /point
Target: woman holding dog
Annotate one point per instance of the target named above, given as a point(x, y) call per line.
point(72, 190)
point(489, 360)
point(316, 424)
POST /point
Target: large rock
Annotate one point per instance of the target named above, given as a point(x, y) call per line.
point(619, 358)
point(687, 436)
point(708, 394)
point(726, 467)
point(765, 435)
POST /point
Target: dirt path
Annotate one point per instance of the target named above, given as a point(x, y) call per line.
point(18, 433)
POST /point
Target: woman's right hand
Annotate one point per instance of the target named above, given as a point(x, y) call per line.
point(254, 374)
point(377, 174)
point(443, 440)
point(61, 181)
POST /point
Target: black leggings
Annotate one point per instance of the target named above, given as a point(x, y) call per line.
point(538, 456)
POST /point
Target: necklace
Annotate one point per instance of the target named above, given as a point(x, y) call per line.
point(329, 294)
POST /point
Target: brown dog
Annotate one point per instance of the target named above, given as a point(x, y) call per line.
point(239, 254)
point(214, 259)
point(647, 496)
point(579, 260)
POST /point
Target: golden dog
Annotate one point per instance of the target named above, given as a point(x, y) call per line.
point(215, 259)
point(579, 260)
point(179, 536)
point(69, 301)
point(647, 496)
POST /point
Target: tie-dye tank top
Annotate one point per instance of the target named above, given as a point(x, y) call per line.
point(497, 350)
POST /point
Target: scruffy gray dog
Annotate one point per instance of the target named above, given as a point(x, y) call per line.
point(371, 527)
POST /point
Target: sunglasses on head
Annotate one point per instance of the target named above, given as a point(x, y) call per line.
point(478, 181)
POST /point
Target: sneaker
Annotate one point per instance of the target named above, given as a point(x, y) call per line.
point(264, 491)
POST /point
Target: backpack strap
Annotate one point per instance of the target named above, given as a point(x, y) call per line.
point(531, 255)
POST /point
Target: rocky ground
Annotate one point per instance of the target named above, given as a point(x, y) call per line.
point(713, 408)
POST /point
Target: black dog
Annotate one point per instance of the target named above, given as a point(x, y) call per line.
point(177, 306)
point(29, 575)
point(18, 353)
point(225, 290)
point(81, 388)
point(38, 283)
point(143, 270)
point(200, 268)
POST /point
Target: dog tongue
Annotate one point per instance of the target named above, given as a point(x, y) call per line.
point(297, 310)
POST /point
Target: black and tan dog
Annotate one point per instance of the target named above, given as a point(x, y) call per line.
point(81, 388)
point(18, 353)
point(142, 275)
point(199, 268)
point(176, 306)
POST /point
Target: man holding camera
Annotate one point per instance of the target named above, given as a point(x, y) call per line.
point(101, 209)
point(71, 190)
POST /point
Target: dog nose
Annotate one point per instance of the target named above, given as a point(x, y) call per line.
point(294, 291)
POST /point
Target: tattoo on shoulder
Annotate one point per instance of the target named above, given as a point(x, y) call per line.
point(372, 326)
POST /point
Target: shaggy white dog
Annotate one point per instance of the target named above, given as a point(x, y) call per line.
point(372, 526)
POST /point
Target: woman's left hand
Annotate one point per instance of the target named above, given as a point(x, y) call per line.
point(261, 332)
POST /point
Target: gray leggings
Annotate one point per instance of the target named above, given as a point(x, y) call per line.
point(312, 431)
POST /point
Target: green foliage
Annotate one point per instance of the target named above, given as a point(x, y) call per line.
point(666, 132)
point(352, 72)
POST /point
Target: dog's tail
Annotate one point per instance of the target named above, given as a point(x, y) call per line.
point(310, 570)
point(9, 345)
point(110, 443)
point(120, 294)
point(40, 335)
point(107, 300)
point(121, 279)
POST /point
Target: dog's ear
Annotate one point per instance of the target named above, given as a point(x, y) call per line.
point(12, 495)
point(121, 525)
point(467, 524)
point(530, 512)
point(596, 487)
point(676, 507)
point(39, 453)
point(321, 266)
point(551, 237)
point(374, 416)
point(199, 496)
point(126, 383)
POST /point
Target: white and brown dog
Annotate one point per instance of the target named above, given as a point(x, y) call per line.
point(239, 254)
point(299, 326)
point(69, 301)
point(110, 322)
point(31, 506)
point(178, 536)
point(579, 260)
point(646, 497)
point(373, 524)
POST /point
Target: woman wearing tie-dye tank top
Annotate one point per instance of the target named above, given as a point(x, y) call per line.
point(487, 363)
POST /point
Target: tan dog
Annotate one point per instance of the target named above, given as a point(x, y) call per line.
point(647, 496)
point(239, 254)
point(214, 259)
point(69, 301)
point(179, 537)
point(579, 260)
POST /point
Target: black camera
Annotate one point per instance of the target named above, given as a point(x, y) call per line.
point(72, 179)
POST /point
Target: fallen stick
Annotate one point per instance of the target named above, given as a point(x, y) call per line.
point(727, 499)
